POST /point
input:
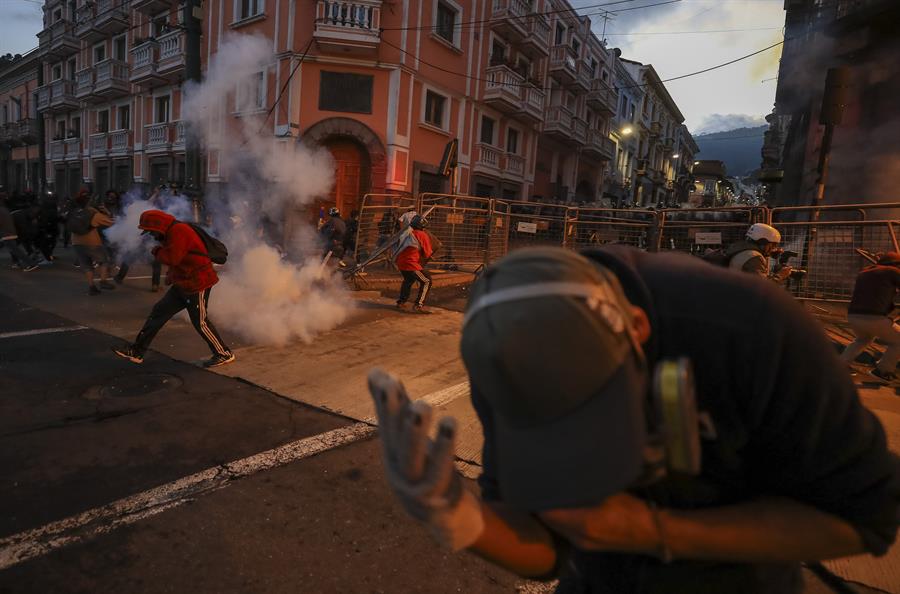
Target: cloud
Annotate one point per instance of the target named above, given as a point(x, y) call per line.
point(721, 122)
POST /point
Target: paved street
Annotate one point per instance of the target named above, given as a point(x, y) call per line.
point(262, 478)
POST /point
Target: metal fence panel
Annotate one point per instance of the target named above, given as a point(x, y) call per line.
point(828, 252)
point(696, 230)
point(378, 220)
point(530, 224)
point(594, 227)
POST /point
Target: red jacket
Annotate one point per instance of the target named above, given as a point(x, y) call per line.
point(412, 258)
point(190, 269)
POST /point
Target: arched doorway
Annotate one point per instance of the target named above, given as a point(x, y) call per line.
point(360, 162)
point(351, 174)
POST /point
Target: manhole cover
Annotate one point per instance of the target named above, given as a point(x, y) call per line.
point(135, 385)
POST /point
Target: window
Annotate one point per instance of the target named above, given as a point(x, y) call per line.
point(560, 34)
point(434, 108)
point(5, 116)
point(498, 52)
point(57, 14)
point(60, 130)
point(75, 128)
point(251, 95)
point(160, 24)
point(103, 121)
point(249, 8)
point(576, 45)
point(71, 69)
point(623, 109)
point(594, 68)
point(123, 117)
point(161, 109)
point(632, 115)
point(512, 141)
point(487, 130)
point(445, 21)
point(119, 48)
point(99, 53)
point(342, 91)
point(57, 72)
point(523, 67)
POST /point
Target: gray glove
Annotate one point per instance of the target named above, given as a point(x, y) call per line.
point(420, 470)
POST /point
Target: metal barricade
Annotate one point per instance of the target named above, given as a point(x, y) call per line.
point(463, 224)
point(827, 250)
point(378, 219)
point(696, 230)
point(534, 223)
point(882, 211)
point(592, 227)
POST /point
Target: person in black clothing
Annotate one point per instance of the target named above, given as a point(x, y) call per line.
point(26, 222)
point(333, 233)
point(350, 237)
point(869, 314)
point(47, 227)
point(561, 350)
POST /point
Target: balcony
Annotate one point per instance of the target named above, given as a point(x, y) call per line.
point(171, 54)
point(508, 19)
point(579, 131)
point(120, 143)
point(348, 27)
point(84, 23)
point(151, 7)
point(602, 97)
point(583, 79)
point(599, 146)
point(73, 149)
point(503, 90)
point(563, 64)
point(668, 144)
point(84, 83)
point(515, 165)
point(57, 96)
point(99, 145)
point(112, 16)
point(111, 79)
point(558, 123)
point(487, 159)
point(532, 104)
point(144, 64)
point(22, 132)
point(57, 150)
point(537, 42)
point(58, 40)
point(158, 137)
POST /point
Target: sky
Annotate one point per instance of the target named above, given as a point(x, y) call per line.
point(665, 36)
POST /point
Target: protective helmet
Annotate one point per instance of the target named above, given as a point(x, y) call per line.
point(890, 259)
point(761, 231)
point(334, 211)
point(155, 221)
point(418, 222)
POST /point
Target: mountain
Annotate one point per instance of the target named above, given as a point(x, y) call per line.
point(738, 148)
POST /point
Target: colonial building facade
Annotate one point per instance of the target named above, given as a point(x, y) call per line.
point(19, 137)
point(530, 94)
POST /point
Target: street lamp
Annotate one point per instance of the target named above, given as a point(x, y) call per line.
point(675, 156)
point(626, 130)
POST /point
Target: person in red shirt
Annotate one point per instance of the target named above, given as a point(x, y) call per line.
point(412, 254)
point(191, 276)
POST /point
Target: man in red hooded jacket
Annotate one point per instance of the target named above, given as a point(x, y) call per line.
point(191, 276)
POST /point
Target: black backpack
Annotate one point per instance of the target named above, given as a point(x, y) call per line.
point(79, 221)
point(215, 249)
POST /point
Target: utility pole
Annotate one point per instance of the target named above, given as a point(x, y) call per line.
point(193, 166)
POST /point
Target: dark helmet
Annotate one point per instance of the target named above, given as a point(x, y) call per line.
point(334, 211)
point(418, 222)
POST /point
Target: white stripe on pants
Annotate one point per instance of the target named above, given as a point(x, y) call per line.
point(426, 285)
point(867, 328)
point(204, 328)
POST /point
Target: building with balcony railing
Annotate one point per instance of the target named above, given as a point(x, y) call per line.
point(19, 126)
point(534, 110)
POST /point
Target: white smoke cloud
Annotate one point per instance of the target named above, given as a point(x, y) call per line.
point(130, 244)
point(263, 295)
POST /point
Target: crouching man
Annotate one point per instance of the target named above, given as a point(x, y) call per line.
point(594, 471)
point(192, 277)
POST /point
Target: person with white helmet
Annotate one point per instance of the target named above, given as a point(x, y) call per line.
point(753, 252)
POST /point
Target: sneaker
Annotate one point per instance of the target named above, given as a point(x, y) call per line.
point(342, 264)
point(885, 376)
point(107, 285)
point(30, 267)
point(420, 309)
point(130, 354)
point(217, 360)
point(93, 290)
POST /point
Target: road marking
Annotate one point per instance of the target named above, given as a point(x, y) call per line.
point(27, 545)
point(41, 331)
point(23, 546)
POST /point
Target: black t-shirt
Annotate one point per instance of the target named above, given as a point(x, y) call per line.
point(785, 421)
point(874, 291)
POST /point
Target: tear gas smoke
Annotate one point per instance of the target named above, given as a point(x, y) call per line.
point(262, 295)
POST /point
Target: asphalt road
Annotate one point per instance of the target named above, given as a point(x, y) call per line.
point(80, 429)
